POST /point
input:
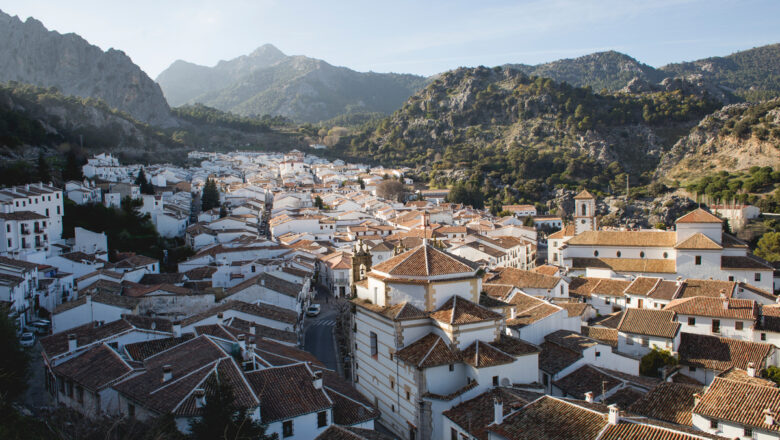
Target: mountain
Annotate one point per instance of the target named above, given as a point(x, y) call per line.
point(301, 88)
point(601, 70)
point(753, 74)
point(499, 126)
point(34, 118)
point(736, 137)
point(32, 54)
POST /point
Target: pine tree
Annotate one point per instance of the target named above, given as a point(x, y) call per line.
point(44, 173)
point(72, 170)
point(223, 419)
point(210, 197)
point(143, 182)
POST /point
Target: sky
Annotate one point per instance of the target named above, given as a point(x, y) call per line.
point(422, 37)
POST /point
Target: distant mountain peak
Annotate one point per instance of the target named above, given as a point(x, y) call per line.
point(267, 50)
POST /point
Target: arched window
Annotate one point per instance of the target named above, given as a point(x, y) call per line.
point(666, 254)
point(584, 209)
point(595, 253)
point(618, 254)
point(642, 254)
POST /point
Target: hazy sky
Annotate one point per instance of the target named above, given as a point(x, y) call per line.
point(423, 36)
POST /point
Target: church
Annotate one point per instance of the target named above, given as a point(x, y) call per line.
point(696, 248)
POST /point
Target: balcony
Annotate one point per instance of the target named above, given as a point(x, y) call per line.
point(24, 230)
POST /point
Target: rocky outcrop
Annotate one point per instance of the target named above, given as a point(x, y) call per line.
point(32, 54)
point(736, 137)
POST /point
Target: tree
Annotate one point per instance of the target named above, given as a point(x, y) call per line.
point(72, 170)
point(773, 373)
point(143, 182)
point(768, 246)
point(210, 197)
point(361, 182)
point(44, 173)
point(391, 189)
point(318, 203)
point(652, 362)
point(223, 419)
point(13, 363)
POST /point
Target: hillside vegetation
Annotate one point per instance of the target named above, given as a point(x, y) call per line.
point(516, 136)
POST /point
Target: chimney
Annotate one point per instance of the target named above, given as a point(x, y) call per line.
point(242, 343)
point(751, 369)
point(589, 397)
point(696, 399)
point(679, 281)
point(512, 313)
point(167, 373)
point(200, 398)
point(251, 344)
point(769, 417)
point(498, 411)
point(176, 329)
point(318, 380)
point(72, 342)
point(252, 330)
point(614, 415)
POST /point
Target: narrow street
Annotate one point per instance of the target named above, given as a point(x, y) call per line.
point(318, 331)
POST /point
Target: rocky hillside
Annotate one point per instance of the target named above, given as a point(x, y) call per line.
point(601, 70)
point(32, 54)
point(532, 134)
point(753, 74)
point(300, 88)
point(736, 137)
point(33, 118)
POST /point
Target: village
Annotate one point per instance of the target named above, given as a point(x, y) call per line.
point(344, 301)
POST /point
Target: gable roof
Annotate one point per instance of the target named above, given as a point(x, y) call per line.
point(740, 402)
point(720, 354)
point(481, 354)
point(287, 392)
point(521, 278)
point(731, 308)
point(650, 322)
point(94, 369)
point(699, 216)
point(458, 310)
point(698, 241)
point(668, 401)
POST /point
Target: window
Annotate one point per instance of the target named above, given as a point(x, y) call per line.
point(738, 325)
point(408, 395)
point(713, 424)
point(629, 340)
point(692, 369)
point(628, 300)
point(642, 254)
point(453, 434)
point(691, 320)
point(757, 276)
point(8, 227)
point(495, 381)
point(618, 254)
point(731, 277)
point(392, 383)
point(763, 336)
point(645, 341)
point(253, 269)
point(716, 325)
point(452, 367)
point(595, 253)
point(749, 432)
point(131, 410)
point(287, 428)
point(79, 394)
point(322, 419)
point(598, 354)
point(373, 344)
point(698, 260)
point(666, 254)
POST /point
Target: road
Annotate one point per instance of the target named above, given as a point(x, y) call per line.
point(318, 331)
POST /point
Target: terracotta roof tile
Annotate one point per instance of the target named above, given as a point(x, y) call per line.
point(645, 238)
point(94, 369)
point(720, 354)
point(642, 265)
point(429, 351)
point(649, 322)
point(287, 392)
point(670, 402)
point(481, 354)
point(731, 308)
point(551, 419)
point(699, 216)
point(425, 261)
point(740, 403)
point(698, 241)
point(585, 379)
point(642, 286)
point(476, 414)
point(457, 310)
point(521, 278)
point(604, 335)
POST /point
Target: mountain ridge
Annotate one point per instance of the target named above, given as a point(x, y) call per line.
point(35, 55)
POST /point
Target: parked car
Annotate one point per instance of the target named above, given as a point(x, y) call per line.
point(313, 310)
point(27, 339)
point(41, 326)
